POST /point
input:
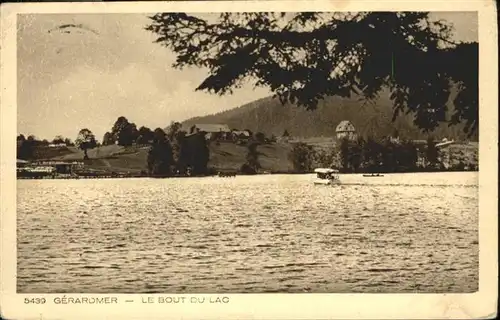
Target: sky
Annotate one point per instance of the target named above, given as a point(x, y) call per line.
point(67, 82)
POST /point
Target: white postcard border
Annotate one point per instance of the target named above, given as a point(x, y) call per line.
point(259, 306)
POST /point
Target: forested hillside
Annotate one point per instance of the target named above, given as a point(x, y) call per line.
point(268, 115)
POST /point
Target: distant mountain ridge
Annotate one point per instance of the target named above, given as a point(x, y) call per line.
point(269, 116)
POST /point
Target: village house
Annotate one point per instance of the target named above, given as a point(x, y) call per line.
point(345, 129)
point(241, 135)
point(394, 137)
point(57, 145)
point(40, 168)
point(219, 131)
point(21, 163)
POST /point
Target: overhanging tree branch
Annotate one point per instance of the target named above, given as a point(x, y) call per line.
point(304, 57)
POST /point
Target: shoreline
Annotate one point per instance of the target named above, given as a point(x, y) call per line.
point(129, 176)
point(226, 160)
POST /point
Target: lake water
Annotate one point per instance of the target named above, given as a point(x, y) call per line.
point(268, 233)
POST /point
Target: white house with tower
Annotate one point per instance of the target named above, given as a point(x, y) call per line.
point(345, 129)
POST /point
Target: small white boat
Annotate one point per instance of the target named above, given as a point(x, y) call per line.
point(326, 176)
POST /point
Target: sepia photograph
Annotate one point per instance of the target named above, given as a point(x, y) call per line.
point(251, 152)
point(248, 152)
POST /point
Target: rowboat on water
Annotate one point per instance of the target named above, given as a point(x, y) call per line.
point(373, 175)
point(326, 176)
point(226, 174)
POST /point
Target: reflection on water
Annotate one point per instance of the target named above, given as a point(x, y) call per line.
point(273, 233)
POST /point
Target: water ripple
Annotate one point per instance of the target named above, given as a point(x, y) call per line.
point(401, 233)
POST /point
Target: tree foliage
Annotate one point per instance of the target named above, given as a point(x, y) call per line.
point(124, 132)
point(305, 57)
point(431, 153)
point(173, 129)
point(177, 152)
point(252, 164)
point(85, 140)
point(25, 147)
point(108, 139)
point(68, 142)
point(145, 135)
point(302, 157)
point(196, 153)
point(58, 139)
point(160, 159)
point(371, 155)
point(260, 137)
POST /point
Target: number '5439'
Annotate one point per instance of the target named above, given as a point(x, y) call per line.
point(34, 300)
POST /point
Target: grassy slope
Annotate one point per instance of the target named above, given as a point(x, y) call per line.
point(51, 153)
point(223, 157)
point(111, 158)
point(230, 157)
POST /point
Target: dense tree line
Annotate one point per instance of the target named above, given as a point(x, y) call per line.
point(371, 155)
point(171, 152)
point(377, 156)
point(176, 152)
point(125, 133)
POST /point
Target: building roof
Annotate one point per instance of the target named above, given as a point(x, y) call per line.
point(244, 132)
point(345, 126)
point(50, 162)
point(444, 143)
point(213, 127)
point(325, 170)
